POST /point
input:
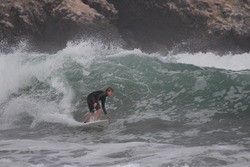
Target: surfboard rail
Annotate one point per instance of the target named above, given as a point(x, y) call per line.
point(97, 124)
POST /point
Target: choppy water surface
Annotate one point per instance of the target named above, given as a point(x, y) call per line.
point(186, 110)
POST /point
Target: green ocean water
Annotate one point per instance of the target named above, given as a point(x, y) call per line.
point(159, 101)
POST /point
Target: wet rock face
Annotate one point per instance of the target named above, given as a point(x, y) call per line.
point(224, 16)
point(49, 24)
point(192, 25)
point(153, 25)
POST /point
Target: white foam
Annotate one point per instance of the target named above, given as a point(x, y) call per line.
point(13, 75)
point(129, 165)
point(130, 154)
point(18, 70)
point(229, 62)
point(40, 111)
point(10, 163)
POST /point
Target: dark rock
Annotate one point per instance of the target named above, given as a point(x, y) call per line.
point(197, 25)
point(152, 25)
point(49, 24)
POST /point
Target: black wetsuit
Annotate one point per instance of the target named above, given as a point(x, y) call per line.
point(94, 97)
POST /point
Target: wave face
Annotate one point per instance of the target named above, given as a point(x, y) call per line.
point(181, 100)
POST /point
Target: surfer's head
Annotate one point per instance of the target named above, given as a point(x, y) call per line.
point(109, 91)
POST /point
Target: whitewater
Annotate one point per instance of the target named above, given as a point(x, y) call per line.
point(171, 110)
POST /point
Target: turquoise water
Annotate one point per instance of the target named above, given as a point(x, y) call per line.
point(182, 110)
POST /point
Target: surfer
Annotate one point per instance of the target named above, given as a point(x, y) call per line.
point(93, 103)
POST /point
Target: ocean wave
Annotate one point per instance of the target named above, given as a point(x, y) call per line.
point(146, 85)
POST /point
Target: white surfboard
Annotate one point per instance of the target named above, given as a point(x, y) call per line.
point(97, 124)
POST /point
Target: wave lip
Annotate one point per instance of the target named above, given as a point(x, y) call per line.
point(229, 62)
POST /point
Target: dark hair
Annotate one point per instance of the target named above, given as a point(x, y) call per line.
point(109, 89)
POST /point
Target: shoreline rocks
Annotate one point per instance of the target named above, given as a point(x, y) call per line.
point(151, 25)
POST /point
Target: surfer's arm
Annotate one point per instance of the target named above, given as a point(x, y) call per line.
point(103, 106)
point(104, 109)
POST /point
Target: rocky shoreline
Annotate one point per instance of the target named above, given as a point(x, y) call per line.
point(151, 25)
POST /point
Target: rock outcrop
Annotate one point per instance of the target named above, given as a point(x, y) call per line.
point(49, 24)
point(153, 25)
point(192, 25)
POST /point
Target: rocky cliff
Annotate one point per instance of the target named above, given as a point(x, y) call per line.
point(49, 24)
point(153, 25)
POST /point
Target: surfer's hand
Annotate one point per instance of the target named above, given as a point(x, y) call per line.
point(95, 104)
point(108, 116)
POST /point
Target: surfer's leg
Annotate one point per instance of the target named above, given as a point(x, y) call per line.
point(87, 117)
point(91, 111)
point(97, 115)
